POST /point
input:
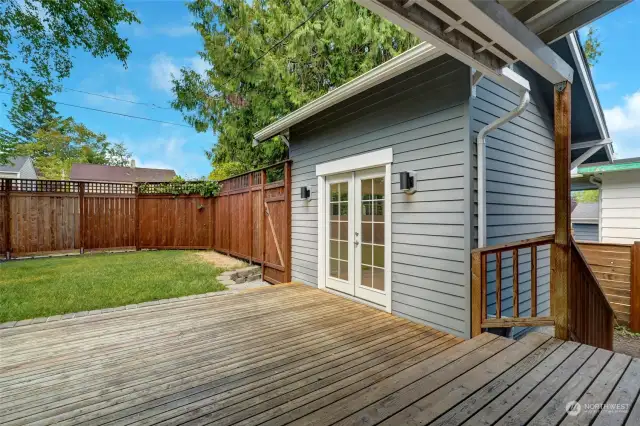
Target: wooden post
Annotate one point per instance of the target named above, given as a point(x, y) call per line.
point(82, 218)
point(137, 216)
point(516, 290)
point(476, 294)
point(634, 321)
point(561, 249)
point(263, 234)
point(287, 229)
point(251, 218)
point(7, 217)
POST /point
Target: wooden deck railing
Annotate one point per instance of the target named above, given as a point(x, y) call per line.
point(479, 256)
point(591, 318)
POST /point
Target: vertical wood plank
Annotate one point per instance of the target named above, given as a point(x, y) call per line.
point(498, 285)
point(263, 234)
point(136, 217)
point(483, 286)
point(476, 294)
point(516, 290)
point(82, 218)
point(561, 256)
point(7, 217)
point(251, 218)
point(534, 281)
point(634, 322)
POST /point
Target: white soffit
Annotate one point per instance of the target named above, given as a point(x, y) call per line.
point(416, 56)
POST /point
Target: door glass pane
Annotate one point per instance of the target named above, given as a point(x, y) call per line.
point(339, 230)
point(366, 276)
point(372, 205)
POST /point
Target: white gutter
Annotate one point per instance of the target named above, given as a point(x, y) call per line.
point(416, 56)
point(482, 153)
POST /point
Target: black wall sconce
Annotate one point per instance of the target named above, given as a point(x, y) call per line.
point(305, 193)
point(408, 182)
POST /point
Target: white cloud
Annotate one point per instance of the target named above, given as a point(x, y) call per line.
point(177, 31)
point(623, 122)
point(106, 98)
point(163, 70)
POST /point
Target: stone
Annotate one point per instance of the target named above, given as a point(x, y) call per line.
point(8, 324)
point(23, 322)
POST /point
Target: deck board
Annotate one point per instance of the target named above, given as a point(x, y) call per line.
point(290, 354)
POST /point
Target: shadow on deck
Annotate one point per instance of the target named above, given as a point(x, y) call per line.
point(290, 354)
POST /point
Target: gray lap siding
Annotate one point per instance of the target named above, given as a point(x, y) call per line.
point(423, 116)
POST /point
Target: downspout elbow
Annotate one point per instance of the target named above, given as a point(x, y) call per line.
point(525, 98)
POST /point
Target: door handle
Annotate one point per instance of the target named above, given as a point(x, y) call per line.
point(356, 242)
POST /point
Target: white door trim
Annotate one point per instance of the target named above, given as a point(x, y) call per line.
point(383, 157)
point(368, 160)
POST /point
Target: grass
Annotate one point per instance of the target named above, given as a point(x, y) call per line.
point(44, 287)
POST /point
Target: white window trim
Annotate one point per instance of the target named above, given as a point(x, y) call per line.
point(380, 158)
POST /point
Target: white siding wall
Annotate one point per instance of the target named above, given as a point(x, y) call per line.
point(621, 207)
point(423, 115)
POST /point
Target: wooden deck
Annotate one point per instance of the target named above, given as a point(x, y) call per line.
point(295, 355)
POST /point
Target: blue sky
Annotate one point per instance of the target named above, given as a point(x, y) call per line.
point(166, 41)
point(617, 78)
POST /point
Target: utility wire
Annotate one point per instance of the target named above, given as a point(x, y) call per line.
point(116, 113)
point(152, 105)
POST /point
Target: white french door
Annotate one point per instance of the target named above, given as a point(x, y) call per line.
point(357, 256)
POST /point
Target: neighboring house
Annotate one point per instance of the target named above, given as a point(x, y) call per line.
point(585, 220)
point(618, 220)
point(361, 236)
point(115, 174)
point(18, 168)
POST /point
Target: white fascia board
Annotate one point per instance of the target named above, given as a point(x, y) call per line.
point(583, 72)
point(412, 58)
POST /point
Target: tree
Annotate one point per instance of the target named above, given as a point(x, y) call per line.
point(242, 92)
point(62, 142)
point(36, 38)
point(589, 196)
point(592, 47)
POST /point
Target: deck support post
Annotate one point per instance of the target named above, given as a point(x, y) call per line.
point(561, 249)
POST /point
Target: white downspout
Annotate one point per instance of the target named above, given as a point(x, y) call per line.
point(481, 146)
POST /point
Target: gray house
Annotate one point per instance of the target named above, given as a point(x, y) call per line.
point(585, 222)
point(362, 229)
point(18, 168)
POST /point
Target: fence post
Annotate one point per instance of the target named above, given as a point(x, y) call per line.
point(634, 320)
point(136, 216)
point(212, 234)
point(263, 234)
point(287, 207)
point(7, 217)
point(82, 213)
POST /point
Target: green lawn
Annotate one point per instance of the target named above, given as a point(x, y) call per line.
point(44, 287)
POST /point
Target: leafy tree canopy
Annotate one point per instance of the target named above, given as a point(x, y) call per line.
point(60, 143)
point(237, 96)
point(589, 196)
point(36, 38)
point(592, 47)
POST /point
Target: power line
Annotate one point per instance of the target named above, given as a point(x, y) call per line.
point(152, 105)
point(116, 113)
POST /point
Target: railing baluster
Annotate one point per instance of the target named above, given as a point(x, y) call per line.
point(498, 284)
point(483, 285)
point(534, 281)
point(515, 284)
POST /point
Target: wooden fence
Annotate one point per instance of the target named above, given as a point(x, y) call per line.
point(617, 270)
point(250, 218)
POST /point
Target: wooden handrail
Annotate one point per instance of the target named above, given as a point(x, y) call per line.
point(480, 318)
point(591, 318)
point(531, 242)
